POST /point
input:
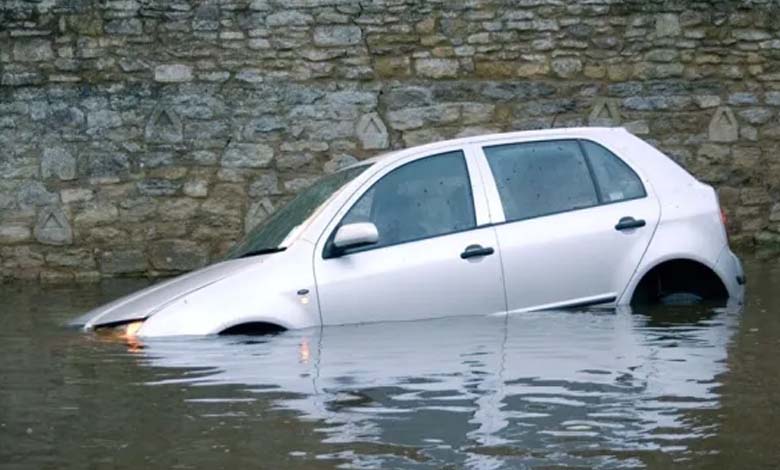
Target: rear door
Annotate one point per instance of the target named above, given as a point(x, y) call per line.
point(573, 221)
point(432, 260)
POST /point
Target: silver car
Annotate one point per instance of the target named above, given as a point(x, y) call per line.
point(494, 224)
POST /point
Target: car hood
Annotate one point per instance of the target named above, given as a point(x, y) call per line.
point(148, 301)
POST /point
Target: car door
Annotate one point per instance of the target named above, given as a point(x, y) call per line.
point(576, 221)
point(431, 260)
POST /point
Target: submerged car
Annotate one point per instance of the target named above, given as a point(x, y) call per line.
point(493, 224)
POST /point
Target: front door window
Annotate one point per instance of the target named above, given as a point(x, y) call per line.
point(425, 198)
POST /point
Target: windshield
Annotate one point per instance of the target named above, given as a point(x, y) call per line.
point(267, 237)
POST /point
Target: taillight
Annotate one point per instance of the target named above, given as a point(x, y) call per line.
point(725, 220)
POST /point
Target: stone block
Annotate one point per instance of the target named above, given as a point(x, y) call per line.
point(605, 112)
point(58, 162)
point(53, 227)
point(14, 233)
point(177, 255)
point(667, 24)
point(340, 35)
point(436, 68)
point(122, 261)
point(173, 73)
point(264, 185)
point(566, 67)
point(164, 126)
point(723, 126)
point(247, 155)
point(372, 132)
point(33, 50)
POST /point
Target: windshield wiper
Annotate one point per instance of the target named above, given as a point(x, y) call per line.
point(263, 251)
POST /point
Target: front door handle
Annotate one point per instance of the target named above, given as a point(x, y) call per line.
point(473, 251)
point(627, 223)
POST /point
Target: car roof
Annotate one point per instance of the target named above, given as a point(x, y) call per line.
point(596, 133)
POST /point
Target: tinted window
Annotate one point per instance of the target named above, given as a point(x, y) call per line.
point(421, 199)
point(616, 181)
point(539, 178)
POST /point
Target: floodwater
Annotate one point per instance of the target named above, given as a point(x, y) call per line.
point(688, 387)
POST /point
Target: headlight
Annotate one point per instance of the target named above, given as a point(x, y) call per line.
point(125, 330)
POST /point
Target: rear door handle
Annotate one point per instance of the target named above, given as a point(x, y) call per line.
point(627, 223)
point(473, 251)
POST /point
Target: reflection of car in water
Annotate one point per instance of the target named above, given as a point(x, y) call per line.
point(500, 223)
point(580, 386)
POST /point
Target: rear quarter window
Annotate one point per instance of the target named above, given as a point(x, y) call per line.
point(615, 179)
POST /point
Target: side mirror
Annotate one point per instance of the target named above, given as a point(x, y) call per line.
point(358, 234)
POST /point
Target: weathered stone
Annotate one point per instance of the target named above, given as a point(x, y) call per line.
point(605, 113)
point(125, 26)
point(33, 50)
point(173, 73)
point(96, 213)
point(339, 162)
point(33, 193)
point(103, 119)
point(566, 67)
point(258, 212)
point(164, 126)
point(177, 255)
point(341, 35)
point(723, 126)
point(196, 188)
point(412, 118)
point(264, 185)
point(288, 18)
point(436, 68)
point(14, 233)
point(372, 132)
point(756, 115)
point(58, 162)
point(637, 127)
point(158, 187)
point(774, 215)
point(53, 227)
point(247, 155)
point(667, 24)
point(392, 67)
point(80, 258)
point(122, 261)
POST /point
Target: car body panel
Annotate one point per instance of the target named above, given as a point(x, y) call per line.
point(412, 281)
point(146, 302)
point(277, 289)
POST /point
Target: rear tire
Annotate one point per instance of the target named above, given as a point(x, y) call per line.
point(679, 282)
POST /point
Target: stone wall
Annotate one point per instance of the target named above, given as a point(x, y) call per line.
point(142, 137)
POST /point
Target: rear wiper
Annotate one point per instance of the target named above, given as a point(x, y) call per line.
point(263, 251)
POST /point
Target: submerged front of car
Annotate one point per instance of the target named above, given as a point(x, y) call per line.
point(273, 289)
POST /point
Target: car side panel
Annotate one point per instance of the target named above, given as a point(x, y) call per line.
point(268, 292)
point(690, 229)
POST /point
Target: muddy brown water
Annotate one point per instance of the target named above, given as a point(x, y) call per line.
point(676, 387)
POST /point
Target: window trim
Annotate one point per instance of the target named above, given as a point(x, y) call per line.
point(329, 251)
point(591, 173)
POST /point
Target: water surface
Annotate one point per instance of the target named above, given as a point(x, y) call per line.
point(693, 387)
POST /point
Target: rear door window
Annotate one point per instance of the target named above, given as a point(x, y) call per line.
point(541, 178)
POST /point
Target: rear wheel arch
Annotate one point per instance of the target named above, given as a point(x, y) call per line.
point(678, 275)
